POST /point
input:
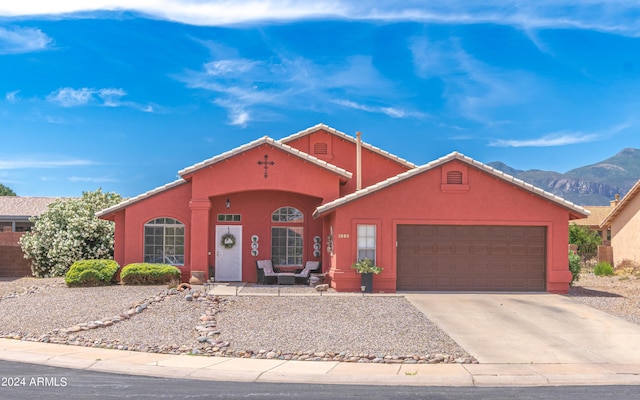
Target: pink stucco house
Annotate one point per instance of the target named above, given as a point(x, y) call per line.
point(322, 195)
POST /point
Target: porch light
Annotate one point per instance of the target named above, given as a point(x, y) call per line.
point(227, 203)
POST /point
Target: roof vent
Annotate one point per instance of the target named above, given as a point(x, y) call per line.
point(454, 178)
point(320, 148)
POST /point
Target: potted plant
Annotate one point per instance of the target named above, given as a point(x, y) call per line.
point(366, 268)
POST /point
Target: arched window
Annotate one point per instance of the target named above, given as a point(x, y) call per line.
point(287, 214)
point(287, 237)
point(164, 241)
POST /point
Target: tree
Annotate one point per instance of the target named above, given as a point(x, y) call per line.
point(6, 191)
point(69, 231)
point(583, 236)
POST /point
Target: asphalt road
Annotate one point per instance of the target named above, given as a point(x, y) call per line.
point(29, 381)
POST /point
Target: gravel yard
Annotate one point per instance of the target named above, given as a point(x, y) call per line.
point(616, 295)
point(152, 318)
point(290, 326)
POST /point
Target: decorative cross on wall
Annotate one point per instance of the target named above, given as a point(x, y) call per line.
point(266, 164)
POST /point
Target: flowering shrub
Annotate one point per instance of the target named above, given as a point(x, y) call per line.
point(91, 273)
point(149, 274)
point(69, 231)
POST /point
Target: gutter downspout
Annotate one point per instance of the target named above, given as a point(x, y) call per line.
point(358, 160)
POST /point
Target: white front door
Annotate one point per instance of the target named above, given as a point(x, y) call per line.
point(229, 258)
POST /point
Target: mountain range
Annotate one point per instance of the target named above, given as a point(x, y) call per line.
point(592, 185)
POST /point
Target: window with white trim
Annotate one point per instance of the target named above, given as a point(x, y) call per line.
point(287, 234)
point(164, 241)
point(367, 242)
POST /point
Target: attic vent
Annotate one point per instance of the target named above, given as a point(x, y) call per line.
point(320, 148)
point(454, 178)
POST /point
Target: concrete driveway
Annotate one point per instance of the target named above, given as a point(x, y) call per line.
point(531, 328)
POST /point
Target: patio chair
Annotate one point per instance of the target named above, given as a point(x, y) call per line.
point(266, 275)
point(303, 276)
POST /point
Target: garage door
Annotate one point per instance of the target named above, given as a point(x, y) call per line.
point(474, 258)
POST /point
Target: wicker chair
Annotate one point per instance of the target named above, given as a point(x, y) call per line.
point(266, 275)
point(303, 276)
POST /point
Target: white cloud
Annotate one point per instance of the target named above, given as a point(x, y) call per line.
point(69, 97)
point(229, 67)
point(17, 40)
point(93, 180)
point(111, 97)
point(613, 16)
point(37, 163)
point(563, 138)
point(551, 140)
point(12, 97)
point(393, 112)
point(245, 88)
point(473, 89)
point(106, 97)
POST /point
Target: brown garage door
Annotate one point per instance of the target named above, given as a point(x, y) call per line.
point(475, 258)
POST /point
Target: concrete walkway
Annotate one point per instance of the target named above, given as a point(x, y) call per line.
point(531, 328)
point(253, 370)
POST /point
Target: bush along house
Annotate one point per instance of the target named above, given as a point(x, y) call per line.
point(322, 195)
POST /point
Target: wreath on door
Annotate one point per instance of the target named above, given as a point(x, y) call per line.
point(228, 241)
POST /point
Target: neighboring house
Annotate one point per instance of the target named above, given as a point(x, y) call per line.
point(15, 212)
point(596, 217)
point(452, 224)
point(624, 223)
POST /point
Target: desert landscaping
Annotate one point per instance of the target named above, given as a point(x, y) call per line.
point(298, 324)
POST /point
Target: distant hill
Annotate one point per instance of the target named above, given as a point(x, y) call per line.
point(592, 185)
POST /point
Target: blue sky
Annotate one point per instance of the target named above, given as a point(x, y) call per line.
point(123, 94)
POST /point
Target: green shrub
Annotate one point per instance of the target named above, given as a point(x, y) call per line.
point(149, 274)
point(603, 269)
point(574, 267)
point(91, 273)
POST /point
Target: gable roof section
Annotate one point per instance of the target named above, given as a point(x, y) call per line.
point(24, 207)
point(348, 138)
point(267, 140)
point(631, 194)
point(575, 210)
point(150, 193)
point(194, 168)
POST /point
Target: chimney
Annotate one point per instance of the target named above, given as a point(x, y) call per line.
point(358, 160)
point(616, 201)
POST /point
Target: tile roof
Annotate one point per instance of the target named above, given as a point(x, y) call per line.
point(348, 138)
point(633, 192)
point(142, 196)
point(18, 206)
point(189, 170)
point(598, 214)
point(277, 144)
point(578, 212)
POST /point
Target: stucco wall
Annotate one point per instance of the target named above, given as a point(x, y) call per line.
point(423, 200)
point(255, 209)
point(375, 168)
point(129, 235)
point(625, 232)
